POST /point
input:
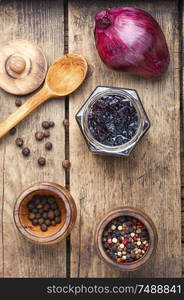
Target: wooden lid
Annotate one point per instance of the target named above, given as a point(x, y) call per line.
point(22, 67)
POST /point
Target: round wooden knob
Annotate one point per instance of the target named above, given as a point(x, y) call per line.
point(17, 64)
point(23, 67)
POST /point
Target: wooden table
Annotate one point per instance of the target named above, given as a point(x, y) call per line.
point(149, 179)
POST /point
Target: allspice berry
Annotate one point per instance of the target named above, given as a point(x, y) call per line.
point(19, 142)
point(51, 123)
point(41, 161)
point(66, 164)
point(26, 152)
point(45, 124)
point(66, 124)
point(13, 131)
point(18, 102)
point(46, 133)
point(48, 146)
point(43, 227)
point(39, 135)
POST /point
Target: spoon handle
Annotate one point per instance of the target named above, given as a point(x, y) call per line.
point(23, 111)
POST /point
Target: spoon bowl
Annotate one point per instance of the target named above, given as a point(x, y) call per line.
point(64, 76)
point(69, 72)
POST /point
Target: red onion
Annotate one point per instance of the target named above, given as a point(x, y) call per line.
point(129, 39)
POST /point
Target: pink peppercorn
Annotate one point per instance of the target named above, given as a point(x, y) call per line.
point(109, 241)
point(124, 242)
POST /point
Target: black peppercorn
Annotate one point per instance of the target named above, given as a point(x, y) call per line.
point(13, 131)
point(45, 124)
point(48, 146)
point(39, 135)
point(41, 161)
point(19, 142)
point(26, 152)
point(18, 102)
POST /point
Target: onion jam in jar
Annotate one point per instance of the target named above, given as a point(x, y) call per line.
point(113, 121)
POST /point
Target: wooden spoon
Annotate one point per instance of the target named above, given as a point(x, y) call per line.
point(64, 76)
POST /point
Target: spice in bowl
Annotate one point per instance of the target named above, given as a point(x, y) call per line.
point(113, 120)
point(44, 211)
point(125, 239)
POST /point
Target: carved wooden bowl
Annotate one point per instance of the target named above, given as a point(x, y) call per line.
point(143, 218)
point(56, 233)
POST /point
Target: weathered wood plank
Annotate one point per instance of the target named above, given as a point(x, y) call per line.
point(41, 22)
point(183, 259)
point(150, 178)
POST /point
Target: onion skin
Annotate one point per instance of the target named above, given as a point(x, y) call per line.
point(130, 40)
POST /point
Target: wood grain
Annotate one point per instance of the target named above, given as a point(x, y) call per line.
point(150, 178)
point(23, 67)
point(42, 23)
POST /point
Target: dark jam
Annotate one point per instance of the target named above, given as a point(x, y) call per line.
point(113, 120)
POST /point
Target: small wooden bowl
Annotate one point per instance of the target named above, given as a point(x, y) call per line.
point(56, 233)
point(143, 218)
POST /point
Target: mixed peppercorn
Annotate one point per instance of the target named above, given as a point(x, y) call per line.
point(125, 239)
point(44, 211)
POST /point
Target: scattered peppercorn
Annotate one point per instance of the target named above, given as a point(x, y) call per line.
point(46, 133)
point(41, 161)
point(18, 102)
point(39, 135)
point(48, 146)
point(57, 220)
point(45, 124)
point(125, 239)
point(13, 131)
point(66, 123)
point(66, 164)
point(26, 152)
point(43, 211)
point(51, 123)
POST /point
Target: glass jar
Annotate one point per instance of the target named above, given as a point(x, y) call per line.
point(121, 150)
